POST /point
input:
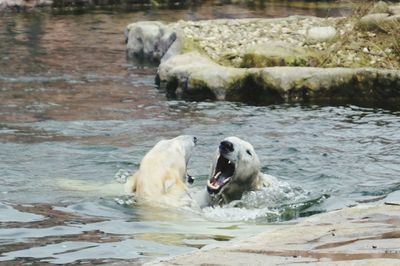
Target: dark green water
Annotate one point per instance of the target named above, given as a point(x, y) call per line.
point(72, 107)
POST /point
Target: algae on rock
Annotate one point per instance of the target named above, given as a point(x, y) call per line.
point(271, 63)
point(280, 54)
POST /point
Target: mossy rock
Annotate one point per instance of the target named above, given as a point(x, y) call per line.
point(192, 76)
point(379, 7)
point(254, 87)
point(372, 22)
point(279, 55)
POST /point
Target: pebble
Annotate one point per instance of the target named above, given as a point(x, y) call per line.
point(219, 37)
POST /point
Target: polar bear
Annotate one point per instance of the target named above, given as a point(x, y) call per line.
point(235, 170)
point(162, 173)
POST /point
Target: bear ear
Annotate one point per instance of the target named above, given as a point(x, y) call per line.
point(168, 185)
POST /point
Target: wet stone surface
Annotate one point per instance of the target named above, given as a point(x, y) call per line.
point(346, 237)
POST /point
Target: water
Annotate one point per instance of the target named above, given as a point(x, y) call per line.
point(74, 113)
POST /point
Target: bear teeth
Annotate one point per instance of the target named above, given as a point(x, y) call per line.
point(226, 180)
point(211, 185)
point(217, 175)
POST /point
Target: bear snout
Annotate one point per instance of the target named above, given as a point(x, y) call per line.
point(226, 146)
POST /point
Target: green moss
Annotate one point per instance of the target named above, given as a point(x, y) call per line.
point(272, 55)
point(365, 88)
point(230, 60)
point(190, 45)
point(197, 90)
point(254, 88)
point(232, 227)
point(222, 237)
point(154, 3)
point(170, 87)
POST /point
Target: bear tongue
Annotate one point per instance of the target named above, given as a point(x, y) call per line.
point(214, 179)
point(218, 179)
point(216, 182)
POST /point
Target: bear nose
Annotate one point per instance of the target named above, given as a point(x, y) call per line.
point(195, 140)
point(226, 146)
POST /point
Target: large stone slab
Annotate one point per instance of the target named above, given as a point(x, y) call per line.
point(278, 54)
point(195, 77)
point(353, 236)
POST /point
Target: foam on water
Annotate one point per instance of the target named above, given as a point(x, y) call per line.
point(236, 214)
point(269, 204)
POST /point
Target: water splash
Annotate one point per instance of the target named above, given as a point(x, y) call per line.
point(280, 192)
point(238, 214)
point(280, 201)
point(125, 201)
point(122, 176)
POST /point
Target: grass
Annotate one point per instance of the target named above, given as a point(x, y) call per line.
point(393, 30)
point(361, 48)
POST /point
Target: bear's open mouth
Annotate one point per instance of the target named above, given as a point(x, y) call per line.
point(224, 170)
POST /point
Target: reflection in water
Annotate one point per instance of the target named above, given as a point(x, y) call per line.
point(73, 108)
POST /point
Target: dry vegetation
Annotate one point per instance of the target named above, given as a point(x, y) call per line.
point(359, 48)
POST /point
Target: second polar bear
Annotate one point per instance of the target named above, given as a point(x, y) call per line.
point(162, 172)
point(235, 170)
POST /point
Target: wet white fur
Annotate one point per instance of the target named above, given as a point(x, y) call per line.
point(247, 176)
point(162, 173)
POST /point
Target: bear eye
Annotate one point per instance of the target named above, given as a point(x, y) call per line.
point(249, 152)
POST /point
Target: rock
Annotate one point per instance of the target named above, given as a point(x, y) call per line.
point(23, 4)
point(379, 22)
point(279, 54)
point(393, 198)
point(194, 77)
point(351, 236)
point(176, 47)
point(219, 38)
point(320, 34)
point(379, 7)
point(392, 22)
point(372, 21)
point(245, 61)
point(394, 9)
point(148, 39)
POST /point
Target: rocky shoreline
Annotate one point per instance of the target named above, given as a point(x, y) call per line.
point(262, 61)
point(24, 5)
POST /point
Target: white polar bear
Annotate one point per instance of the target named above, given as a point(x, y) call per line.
point(162, 173)
point(236, 169)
